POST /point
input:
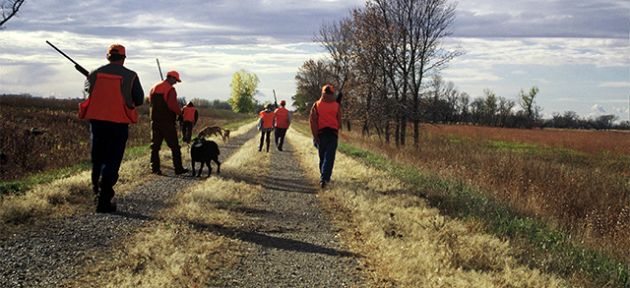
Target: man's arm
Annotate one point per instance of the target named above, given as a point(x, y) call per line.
point(313, 122)
point(137, 94)
point(172, 102)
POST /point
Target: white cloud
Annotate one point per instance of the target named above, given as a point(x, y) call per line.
point(598, 109)
point(617, 84)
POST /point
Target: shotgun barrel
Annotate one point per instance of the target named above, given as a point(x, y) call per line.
point(79, 68)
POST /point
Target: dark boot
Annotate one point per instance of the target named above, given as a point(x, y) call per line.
point(177, 162)
point(105, 203)
point(155, 162)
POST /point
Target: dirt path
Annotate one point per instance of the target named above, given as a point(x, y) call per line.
point(289, 242)
point(49, 256)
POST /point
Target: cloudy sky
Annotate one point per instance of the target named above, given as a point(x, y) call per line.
point(576, 52)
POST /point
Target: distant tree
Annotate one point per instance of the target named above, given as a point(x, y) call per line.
point(489, 107)
point(244, 85)
point(8, 9)
point(604, 121)
point(504, 110)
point(309, 81)
point(531, 111)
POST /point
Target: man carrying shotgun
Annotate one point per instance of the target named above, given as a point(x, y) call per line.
point(114, 92)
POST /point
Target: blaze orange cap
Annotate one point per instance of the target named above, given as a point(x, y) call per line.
point(116, 49)
point(174, 74)
point(328, 89)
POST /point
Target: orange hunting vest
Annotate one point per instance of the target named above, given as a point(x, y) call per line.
point(327, 114)
point(282, 118)
point(161, 88)
point(106, 101)
point(267, 118)
point(189, 114)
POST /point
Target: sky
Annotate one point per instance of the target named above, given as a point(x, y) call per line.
point(577, 52)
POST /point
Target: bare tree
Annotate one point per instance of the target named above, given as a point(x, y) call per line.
point(309, 80)
point(8, 9)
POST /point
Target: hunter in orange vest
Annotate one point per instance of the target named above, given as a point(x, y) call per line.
point(325, 120)
point(114, 92)
point(265, 125)
point(282, 120)
point(164, 113)
point(189, 120)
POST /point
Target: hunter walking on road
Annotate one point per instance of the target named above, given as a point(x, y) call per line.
point(189, 119)
point(325, 122)
point(114, 92)
point(265, 126)
point(164, 113)
point(283, 120)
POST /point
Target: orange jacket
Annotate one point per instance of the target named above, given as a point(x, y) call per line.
point(282, 118)
point(106, 101)
point(327, 114)
point(189, 113)
point(267, 119)
point(167, 91)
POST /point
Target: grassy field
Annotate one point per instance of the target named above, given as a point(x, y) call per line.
point(571, 196)
point(64, 139)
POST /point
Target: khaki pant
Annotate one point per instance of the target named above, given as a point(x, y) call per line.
point(164, 130)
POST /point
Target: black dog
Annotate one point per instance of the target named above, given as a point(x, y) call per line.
point(203, 151)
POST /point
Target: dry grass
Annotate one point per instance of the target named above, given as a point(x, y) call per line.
point(182, 250)
point(66, 139)
point(585, 194)
point(66, 196)
point(589, 141)
point(74, 194)
point(407, 243)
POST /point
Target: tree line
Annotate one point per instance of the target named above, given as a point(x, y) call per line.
point(387, 58)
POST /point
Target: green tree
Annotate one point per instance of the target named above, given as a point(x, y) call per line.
point(244, 85)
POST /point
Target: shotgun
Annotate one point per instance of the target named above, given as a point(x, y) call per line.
point(274, 98)
point(159, 68)
point(76, 65)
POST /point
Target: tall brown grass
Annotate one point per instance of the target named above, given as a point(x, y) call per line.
point(585, 194)
point(65, 139)
point(588, 141)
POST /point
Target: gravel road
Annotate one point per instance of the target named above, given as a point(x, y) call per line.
point(48, 256)
point(291, 243)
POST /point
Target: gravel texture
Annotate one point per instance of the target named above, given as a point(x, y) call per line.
point(290, 241)
point(50, 255)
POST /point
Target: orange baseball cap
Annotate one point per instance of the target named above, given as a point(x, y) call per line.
point(116, 49)
point(174, 74)
point(328, 89)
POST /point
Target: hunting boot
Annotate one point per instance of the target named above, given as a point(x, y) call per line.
point(105, 204)
point(177, 162)
point(155, 162)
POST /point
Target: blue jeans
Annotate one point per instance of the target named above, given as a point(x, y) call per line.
point(108, 147)
point(327, 149)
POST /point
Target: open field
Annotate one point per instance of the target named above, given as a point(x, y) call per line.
point(587, 141)
point(539, 176)
point(65, 140)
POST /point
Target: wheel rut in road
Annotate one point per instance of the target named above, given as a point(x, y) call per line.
point(290, 241)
